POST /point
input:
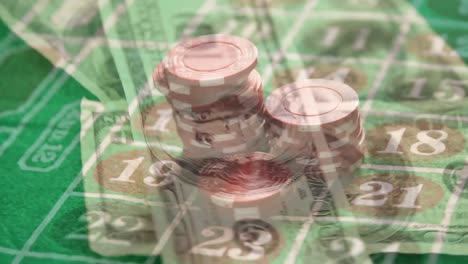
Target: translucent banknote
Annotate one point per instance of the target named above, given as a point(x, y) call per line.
point(70, 35)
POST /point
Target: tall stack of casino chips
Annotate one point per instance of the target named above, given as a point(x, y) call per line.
point(216, 95)
point(318, 119)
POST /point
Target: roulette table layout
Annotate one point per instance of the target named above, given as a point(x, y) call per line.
point(87, 143)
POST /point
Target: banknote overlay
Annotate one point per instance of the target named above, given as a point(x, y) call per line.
point(175, 167)
point(70, 35)
point(159, 195)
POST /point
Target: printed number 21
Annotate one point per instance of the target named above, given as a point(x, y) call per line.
point(379, 192)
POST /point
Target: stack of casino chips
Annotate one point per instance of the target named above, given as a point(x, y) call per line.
point(242, 186)
point(216, 95)
point(318, 119)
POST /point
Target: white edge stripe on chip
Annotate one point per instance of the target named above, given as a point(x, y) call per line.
point(243, 213)
point(225, 202)
point(184, 126)
point(289, 139)
point(235, 149)
point(180, 89)
point(348, 126)
point(209, 83)
point(340, 142)
point(258, 130)
point(224, 137)
point(309, 128)
point(329, 168)
point(180, 105)
point(161, 88)
point(198, 144)
point(363, 138)
point(325, 155)
point(305, 161)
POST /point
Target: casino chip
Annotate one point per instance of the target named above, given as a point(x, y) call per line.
point(211, 60)
point(333, 104)
point(244, 186)
point(300, 110)
point(238, 180)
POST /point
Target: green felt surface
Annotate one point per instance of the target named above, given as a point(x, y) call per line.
point(42, 187)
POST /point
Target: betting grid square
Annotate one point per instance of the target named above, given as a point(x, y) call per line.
point(26, 112)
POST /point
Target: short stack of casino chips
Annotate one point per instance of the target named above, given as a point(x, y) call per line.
point(317, 118)
point(216, 95)
point(242, 186)
point(242, 179)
